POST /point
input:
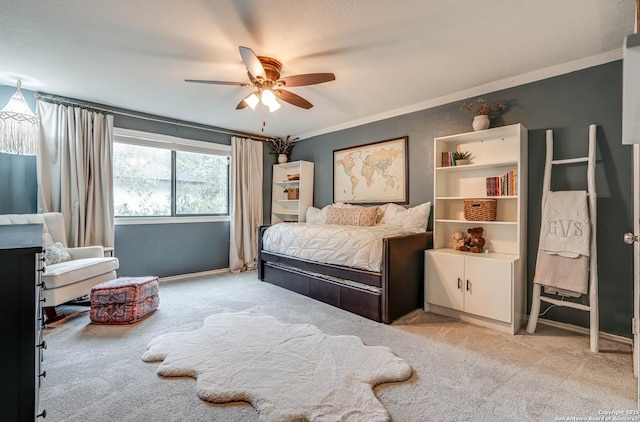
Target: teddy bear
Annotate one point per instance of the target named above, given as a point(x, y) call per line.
point(458, 241)
point(475, 242)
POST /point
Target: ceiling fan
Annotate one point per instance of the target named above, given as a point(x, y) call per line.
point(264, 75)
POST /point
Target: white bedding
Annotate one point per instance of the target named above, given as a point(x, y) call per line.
point(351, 246)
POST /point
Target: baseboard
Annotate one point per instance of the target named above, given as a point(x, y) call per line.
point(192, 275)
point(585, 331)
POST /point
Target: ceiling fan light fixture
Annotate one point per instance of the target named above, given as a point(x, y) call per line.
point(252, 101)
point(273, 107)
point(268, 97)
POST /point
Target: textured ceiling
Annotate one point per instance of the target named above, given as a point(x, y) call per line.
point(387, 55)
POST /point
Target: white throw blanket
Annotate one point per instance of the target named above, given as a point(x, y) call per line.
point(565, 224)
point(563, 257)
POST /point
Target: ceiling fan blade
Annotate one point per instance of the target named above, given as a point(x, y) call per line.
point(254, 67)
point(292, 98)
point(199, 81)
point(242, 104)
point(306, 79)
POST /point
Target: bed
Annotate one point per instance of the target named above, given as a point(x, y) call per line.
point(381, 283)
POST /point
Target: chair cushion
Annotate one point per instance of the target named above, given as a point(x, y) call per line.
point(69, 272)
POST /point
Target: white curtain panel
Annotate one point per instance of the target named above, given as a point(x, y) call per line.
point(75, 172)
point(246, 200)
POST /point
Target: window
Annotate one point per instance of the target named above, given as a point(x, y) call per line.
point(163, 176)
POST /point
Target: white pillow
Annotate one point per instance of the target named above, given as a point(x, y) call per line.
point(409, 218)
point(314, 215)
point(381, 211)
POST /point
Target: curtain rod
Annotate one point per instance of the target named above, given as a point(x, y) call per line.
point(153, 119)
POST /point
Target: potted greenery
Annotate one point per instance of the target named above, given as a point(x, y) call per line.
point(461, 157)
point(482, 111)
point(282, 147)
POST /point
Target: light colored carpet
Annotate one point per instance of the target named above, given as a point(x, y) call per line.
point(461, 372)
point(288, 372)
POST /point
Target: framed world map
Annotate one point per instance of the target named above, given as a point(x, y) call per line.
point(372, 173)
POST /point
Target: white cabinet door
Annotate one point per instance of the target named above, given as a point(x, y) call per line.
point(444, 280)
point(487, 286)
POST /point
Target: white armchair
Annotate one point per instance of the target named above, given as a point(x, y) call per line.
point(72, 279)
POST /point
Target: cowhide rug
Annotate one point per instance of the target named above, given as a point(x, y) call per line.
point(288, 372)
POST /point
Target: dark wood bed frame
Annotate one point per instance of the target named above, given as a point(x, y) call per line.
point(400, 278)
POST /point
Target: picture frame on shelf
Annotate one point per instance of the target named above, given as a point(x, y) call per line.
point(373, 173)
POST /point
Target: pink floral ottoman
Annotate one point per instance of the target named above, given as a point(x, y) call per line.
point(124, 300)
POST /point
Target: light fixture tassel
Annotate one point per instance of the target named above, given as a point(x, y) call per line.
point(18, 126)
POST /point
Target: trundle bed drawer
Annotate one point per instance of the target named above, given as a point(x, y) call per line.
point(352, 299)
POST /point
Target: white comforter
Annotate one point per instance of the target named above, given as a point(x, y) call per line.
point(351, 246)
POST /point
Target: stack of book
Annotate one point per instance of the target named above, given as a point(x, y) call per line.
point(505, 185)
point(447, 159)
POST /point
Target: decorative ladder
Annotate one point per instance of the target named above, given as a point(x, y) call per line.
point(592, 307)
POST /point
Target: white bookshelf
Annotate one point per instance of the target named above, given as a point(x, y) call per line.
point(487, 288)
point(291, 210)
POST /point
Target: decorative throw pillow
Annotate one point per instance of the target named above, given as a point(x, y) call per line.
point(353, 215)
point(409, 218)
point(55, 254)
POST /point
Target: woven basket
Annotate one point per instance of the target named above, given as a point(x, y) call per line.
point(480, 209)
point(293, 193)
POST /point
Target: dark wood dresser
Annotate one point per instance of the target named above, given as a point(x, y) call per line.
point(21, 265)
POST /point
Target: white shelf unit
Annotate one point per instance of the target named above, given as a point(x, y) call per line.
point(291, 210)
point(488, 288)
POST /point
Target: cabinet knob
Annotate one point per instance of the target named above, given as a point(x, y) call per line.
point(42, 414)
point(43, 300)
point(41, 269)
point(43, 344)
point(459, 283)
point(629, 238)
point(43, 374)
point(468, 286)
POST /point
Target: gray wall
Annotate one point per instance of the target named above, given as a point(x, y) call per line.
point(18, 184)
point(172, 249)
point(150, 249)
point(567, 104)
